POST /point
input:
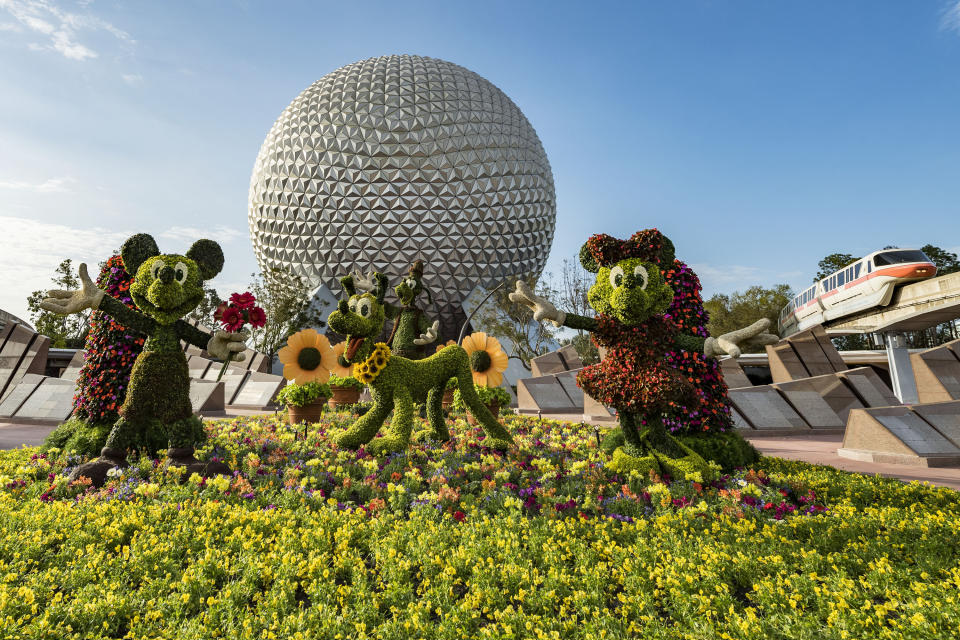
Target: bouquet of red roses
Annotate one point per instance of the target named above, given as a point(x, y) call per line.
point(237, 313)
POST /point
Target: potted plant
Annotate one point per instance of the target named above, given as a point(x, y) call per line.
point(493, 397)
point(448, 393)
point(304, 402)
point(346, 390)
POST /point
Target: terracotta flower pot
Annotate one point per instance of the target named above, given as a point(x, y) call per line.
point(343, 396)
point(447, 399)
point(307, 413)
point(494, 407)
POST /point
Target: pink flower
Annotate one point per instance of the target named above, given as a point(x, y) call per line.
point(231, 319)
point(243, 300)
point(256, 317)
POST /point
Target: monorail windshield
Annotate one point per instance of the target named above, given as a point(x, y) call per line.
point(899, 257)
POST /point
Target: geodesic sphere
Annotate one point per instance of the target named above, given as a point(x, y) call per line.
point(396, 158)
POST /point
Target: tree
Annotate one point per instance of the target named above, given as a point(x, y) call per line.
point(287, 301)
point(833, 262)
point(945, 260)
point(575, 283)
point(502, 318)
point(68, 331)
point(738, 310)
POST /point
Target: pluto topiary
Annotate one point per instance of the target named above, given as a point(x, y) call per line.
point(165, 287)
point(397, 383)
point(658, 372)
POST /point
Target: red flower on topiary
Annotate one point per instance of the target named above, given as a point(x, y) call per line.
point(240, 311)
point(232, 319)
point(244, 300)
point(257, 317)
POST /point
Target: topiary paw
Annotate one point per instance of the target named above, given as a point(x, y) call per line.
point(626, 462)
point(346, 440)
point(386, 445)
point(499, 444)
point(690, 466)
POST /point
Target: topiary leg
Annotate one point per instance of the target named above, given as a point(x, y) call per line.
point(186, 432)
point(363, 430)
point(497, 436)
point(400, 427)
point(435, 414)
point(630, 425)
point(123, 436)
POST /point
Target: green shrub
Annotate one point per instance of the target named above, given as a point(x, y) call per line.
point(728, 449)
point(348, 382)
point(300, 395)
point(486, 394)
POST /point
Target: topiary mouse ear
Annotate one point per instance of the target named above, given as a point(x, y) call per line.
point(587, 259)
point(209, 257)
point(381, 290)
point(668, 253)
point(137, 250)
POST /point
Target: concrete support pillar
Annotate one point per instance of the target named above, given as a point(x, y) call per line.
point(901, 371)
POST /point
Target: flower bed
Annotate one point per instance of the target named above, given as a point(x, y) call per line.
point(455, 540)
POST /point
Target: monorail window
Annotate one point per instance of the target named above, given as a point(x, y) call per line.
point(899, 257)
point(856, 271)
point(869, 267)
point(840, 278)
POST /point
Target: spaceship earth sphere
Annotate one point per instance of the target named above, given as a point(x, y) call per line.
point(398, 158)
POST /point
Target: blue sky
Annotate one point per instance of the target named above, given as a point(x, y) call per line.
point(759, 136)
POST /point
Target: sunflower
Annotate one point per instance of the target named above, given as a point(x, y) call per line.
point(307, 357)
point(448, 343)
point(487, 359)
point(338, 369)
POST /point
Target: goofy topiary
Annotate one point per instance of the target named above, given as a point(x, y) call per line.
point(157, 408)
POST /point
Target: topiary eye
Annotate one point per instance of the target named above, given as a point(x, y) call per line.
point(364, 308)
point(181, 271)
point(616, 276)
point(155, 268)
point(352, 305)
point(641, 275)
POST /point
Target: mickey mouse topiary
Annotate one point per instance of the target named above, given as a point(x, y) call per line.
point(165, 287)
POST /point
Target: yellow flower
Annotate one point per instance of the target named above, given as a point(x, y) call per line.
point(338, 369)
point(487, 359)
point(307, 357)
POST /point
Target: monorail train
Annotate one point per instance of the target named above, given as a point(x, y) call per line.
point(867, 283)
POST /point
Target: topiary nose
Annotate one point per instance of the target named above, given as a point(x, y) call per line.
point(166, 275)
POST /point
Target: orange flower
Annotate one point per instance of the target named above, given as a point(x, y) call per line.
point(448, 343)
point(338, 369)
point(488, 361)
point(307, 357)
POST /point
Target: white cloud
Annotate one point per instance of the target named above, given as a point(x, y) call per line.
point(9, 26)
point(52, 185)
point(61, 27)
point(221, 233)
point(133, 79)
point(32, 250)
point(729, 278)
point(950, 20)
